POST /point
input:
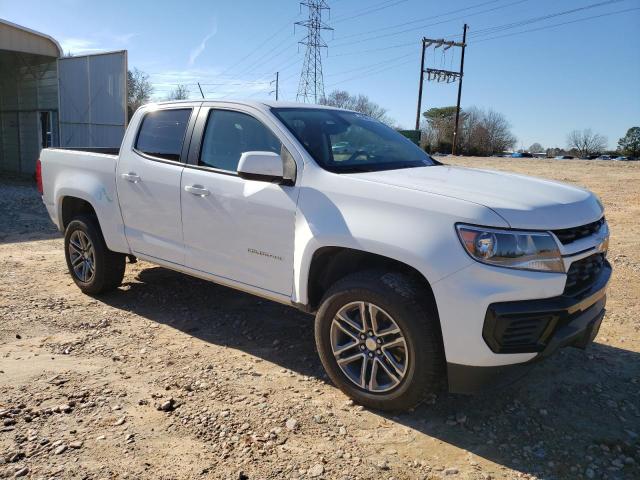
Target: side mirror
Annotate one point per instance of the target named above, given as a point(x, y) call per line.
point(261, 166)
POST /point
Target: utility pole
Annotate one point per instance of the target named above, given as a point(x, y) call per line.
point(455, 131)
point(440, 75)
point(421, 84)
point(311, 85)
point(276, 91)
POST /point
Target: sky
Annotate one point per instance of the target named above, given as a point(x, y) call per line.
point(549, 72)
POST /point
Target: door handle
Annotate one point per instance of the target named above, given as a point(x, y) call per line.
point(130, 177)
point(197, 190)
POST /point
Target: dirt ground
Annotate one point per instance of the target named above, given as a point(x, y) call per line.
point(171, 377)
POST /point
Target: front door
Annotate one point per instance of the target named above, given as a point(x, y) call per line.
point(241, 230)
point(148, 181)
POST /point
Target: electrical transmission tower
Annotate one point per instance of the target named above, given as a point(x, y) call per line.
point(311, 86)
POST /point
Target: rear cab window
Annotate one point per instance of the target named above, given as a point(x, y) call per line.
point(162, 133)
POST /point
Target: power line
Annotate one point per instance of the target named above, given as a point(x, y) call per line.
point(360, 69)
point(382, 66)
point(371, 9)
point(419, 20)
point(268, 56)
point(528, 21)
point(422, 27)
point(500, 27)
point(360, 52)
point(558, 24)
point(370, 73)
point(262, 44)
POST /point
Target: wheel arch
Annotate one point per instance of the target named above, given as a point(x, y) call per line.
point(95, 200)
point(72, 206)
point(331, 263)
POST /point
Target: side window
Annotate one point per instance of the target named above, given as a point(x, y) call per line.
point(229, 134)
point(162, 133)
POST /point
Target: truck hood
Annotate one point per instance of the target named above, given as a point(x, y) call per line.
point(524, 202)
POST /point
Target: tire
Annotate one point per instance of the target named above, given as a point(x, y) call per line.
point(108, 266)
point(397, 297)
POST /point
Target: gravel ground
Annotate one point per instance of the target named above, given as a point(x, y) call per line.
point(172, 377)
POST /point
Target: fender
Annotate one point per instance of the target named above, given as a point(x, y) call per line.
point(368, 217)
point(101, 196)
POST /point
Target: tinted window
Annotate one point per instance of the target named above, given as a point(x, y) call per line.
point(345, 142)
point(162, 133)
point(229, 134)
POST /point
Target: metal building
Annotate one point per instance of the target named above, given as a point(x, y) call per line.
point(47, 99)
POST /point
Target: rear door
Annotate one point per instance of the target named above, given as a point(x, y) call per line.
point(148, 180)
point(92, 93)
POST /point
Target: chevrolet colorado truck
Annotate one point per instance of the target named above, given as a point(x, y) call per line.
point(421, 275)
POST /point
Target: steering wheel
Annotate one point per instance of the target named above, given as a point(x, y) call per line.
point(357, 154)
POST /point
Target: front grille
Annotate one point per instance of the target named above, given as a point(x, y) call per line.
point(568, 235)
point(583, 273)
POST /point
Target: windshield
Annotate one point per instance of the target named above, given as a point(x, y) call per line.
point(347, 142)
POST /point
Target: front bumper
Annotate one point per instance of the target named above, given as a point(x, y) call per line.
point(538, 327)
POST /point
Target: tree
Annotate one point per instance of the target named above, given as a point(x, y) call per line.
point(500, 137)
point(181, 92)
point(441, 122)
point(536, 147)
point(481, 132)
point(586, 143)
point(359, 103)
point(139, 90)
point(630, 143)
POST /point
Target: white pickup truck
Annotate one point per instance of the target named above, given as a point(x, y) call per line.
point(421, 275)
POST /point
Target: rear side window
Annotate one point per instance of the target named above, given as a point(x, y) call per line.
point(162, 133)
point(229, 134)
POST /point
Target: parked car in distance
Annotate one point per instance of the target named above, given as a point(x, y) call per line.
point(620, 159)
point(521, 155)
point(604, 157)
point(420, 275)
point(564, 157)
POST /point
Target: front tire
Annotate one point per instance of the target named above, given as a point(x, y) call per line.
point(94, 268)
point(379, 340)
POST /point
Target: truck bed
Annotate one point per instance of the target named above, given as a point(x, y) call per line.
point(87, 174)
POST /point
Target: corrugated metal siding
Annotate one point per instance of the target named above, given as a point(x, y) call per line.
point(10, 159)
point(93, 93)
point(28, 84)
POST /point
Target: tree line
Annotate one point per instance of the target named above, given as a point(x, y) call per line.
point(589, 144)
point(480, 132)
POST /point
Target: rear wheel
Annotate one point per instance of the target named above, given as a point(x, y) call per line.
point(93, 267)
point(380, 341)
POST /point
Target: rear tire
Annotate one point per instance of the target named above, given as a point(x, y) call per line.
point(94, 268)
point(409, 364)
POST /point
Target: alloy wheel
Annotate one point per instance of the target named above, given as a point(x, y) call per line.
point(369, 347)
point(82, 256)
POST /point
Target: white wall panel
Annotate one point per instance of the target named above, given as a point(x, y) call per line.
point(93, 94)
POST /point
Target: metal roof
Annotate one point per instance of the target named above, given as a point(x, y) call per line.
point(22, 39)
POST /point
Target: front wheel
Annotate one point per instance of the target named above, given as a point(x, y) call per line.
point(93, 267)
point(380, 341)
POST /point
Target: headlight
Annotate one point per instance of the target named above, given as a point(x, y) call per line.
point(512, 249)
